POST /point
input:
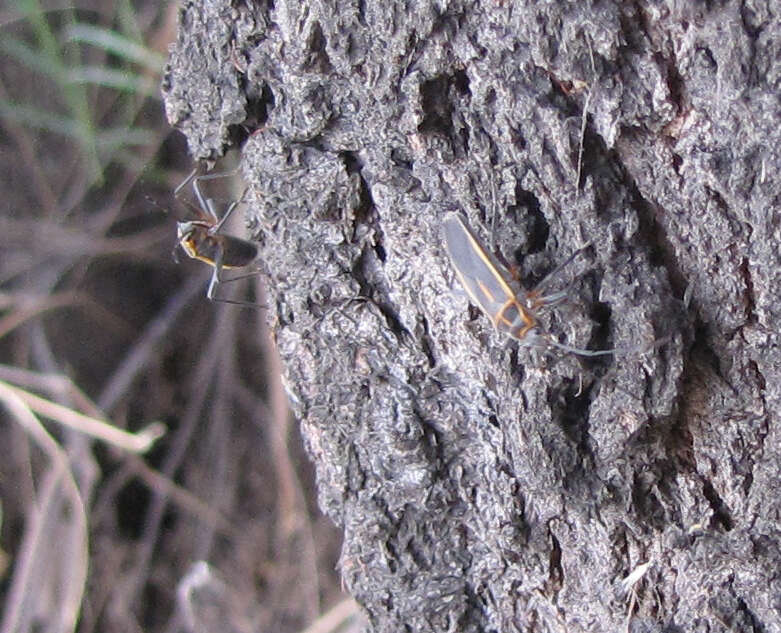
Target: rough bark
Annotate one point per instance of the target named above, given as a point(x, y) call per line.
point(482, 485)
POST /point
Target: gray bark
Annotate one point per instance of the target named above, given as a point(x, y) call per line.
point(483, 485)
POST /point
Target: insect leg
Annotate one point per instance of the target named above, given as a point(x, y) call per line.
point(546, 301)
point(227, 214)
point(185, 182)
point(539, 289)
point(219, 174)
point(216, 280)
point(206, 204)
point(537, 297)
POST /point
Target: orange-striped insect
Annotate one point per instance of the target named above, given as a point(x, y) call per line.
point(489, 286)
point(201, 239)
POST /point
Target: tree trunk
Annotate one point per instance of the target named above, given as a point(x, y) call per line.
point(483, 484)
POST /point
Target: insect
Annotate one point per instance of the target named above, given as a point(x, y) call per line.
point(201, 239)
point(488, 284)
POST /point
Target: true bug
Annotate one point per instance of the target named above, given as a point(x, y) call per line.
point(489, 286)
point(201, 239)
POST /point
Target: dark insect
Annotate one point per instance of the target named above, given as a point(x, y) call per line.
point(201, 239)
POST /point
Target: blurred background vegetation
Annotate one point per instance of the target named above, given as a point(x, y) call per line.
point(151, 478)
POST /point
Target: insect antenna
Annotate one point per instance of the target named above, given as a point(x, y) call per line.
point(579, 351)
point(166, 211)
point(605, 352)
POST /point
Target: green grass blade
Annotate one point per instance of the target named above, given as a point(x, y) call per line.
point(110, 140)
point(31, 58)
point(124, 81)
point(75, 96)
point(41, 119)
point(117, 44)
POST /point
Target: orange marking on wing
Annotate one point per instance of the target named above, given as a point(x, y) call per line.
point(486, 291)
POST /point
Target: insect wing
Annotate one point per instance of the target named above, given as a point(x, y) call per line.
point(237, 252)
point(481, 275)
